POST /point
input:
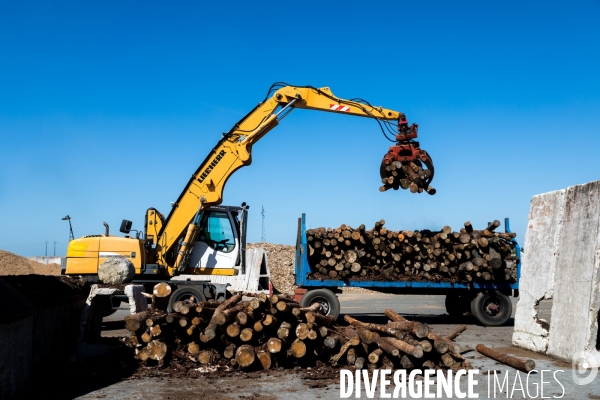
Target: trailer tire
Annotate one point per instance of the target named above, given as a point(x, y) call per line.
point(184, 293)
point(330, 302)
point(458, 304)
point(491, 308)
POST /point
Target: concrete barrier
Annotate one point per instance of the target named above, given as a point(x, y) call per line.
point(538, 264)
point(47, 260)
point(562, 262)
point(137, 302)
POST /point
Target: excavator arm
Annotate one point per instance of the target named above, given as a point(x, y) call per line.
point(234, 150)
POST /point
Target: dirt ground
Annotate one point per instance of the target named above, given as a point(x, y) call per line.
point(13, 264)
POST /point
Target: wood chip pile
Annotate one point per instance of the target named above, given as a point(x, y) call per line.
point(13, 264)
point(281, 265)
point(268, 332)
point(382, 254)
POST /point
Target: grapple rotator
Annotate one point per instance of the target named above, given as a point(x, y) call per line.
point(406, 165)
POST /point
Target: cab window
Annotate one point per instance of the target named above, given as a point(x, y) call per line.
point(217, 232)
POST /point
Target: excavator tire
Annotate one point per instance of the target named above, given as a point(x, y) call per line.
point(184, 293)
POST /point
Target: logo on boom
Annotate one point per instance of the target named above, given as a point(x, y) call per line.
point(211, 166)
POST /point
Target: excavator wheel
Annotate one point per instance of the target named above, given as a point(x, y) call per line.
point(184, 293)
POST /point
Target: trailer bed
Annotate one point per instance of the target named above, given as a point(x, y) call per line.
point(302, 269)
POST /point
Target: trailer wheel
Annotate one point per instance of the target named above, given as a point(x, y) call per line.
point(458, 304)
point(329, 301)
point(183, 294)
point(491, 308)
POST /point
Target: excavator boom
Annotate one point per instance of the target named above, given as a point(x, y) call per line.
point(166, 246)
point(234, 149)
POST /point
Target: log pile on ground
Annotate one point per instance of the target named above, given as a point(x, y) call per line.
point(409, 175)
point(381, 254)
point(267, 332)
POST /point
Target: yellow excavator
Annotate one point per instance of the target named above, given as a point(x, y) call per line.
point(200, 238)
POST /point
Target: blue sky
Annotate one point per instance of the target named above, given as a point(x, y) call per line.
point(106, 109)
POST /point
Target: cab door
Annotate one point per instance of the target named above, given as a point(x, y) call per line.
point(218, 242)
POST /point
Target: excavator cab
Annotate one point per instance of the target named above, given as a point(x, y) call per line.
point(220, 243)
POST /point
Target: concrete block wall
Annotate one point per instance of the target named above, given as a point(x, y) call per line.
point(561, 262)
point(47, 260)
point(538, 264)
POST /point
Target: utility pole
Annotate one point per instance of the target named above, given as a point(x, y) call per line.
point(263, 235)
point(46, 255)
point(55, 248)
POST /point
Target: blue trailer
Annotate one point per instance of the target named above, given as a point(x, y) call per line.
point(488, 302)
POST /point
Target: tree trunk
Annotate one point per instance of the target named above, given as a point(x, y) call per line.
point(211, 330)
point(517, 363)
point(135, 322)
point(456, 332)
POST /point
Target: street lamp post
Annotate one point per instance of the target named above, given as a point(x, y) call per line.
point(55, 248)
point(71, 237)
point(46, 255)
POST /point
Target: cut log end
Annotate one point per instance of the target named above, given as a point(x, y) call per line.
point(274, 345)
point(298, 348)
point(245, 356)
point(264, 358)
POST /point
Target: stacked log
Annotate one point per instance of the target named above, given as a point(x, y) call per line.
point(402, 344)
point(380, 254)
point(258, 333)
point(268, 332)
point(408, 175)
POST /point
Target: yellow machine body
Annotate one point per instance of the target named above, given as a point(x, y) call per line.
point(86, 254)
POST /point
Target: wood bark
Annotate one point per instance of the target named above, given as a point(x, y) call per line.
point(456, 332)
point(211, 330)
point(135, 322)
point(517, 363)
